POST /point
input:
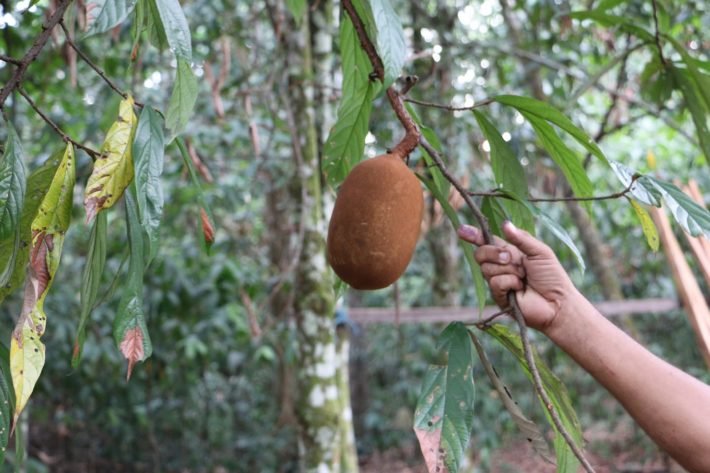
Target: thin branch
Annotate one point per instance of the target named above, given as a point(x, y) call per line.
point(34, 51)
point(658, 32)
point(91, 152)
point(91, 64)
point(615, 195)
point(450, 108)
point(10, 60)
point(485, 323)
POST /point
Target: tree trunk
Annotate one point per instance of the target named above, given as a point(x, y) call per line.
point(323, 405)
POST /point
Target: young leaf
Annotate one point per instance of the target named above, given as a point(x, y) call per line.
point(102, 15)
point(444, 414)
point(649, 229)
point(566, 461)
point(206, 217)
point(690, 216)
point(391, 46)
point(175, 27)
point(476, 274)
point(148, 153)
point(37, 185)
point(182, 100)
point(129, 328)
point(346, 141)
point(12, 199)
point(550, 114)
point(568, 162)
point(113, 170)
point(90, 280)
point(48, 229)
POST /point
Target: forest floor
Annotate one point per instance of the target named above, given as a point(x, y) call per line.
point(519, 457)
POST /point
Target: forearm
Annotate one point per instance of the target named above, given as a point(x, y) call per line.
point(670, 405)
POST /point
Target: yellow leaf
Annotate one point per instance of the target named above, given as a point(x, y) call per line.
point(26, 349)
point(113, 170)
point(649, 229)
point(26, 358)
point(651, 160)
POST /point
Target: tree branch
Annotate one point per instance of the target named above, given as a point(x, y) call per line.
point(450, 108)
point(34, 51)
point(411, 137)
point(91, 152)
point(658, 32)
point(10, 60)
point(92, 65)
point(615, 195)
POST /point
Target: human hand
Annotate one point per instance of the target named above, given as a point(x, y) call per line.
point(527, 266)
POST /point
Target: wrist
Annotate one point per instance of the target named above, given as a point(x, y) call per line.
point(569, 306)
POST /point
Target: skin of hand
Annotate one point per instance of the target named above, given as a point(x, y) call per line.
point(669, 404)
point(527, 266)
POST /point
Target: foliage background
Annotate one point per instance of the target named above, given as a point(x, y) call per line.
point(205, 400)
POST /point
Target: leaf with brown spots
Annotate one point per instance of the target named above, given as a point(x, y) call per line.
point(113, 170)
point(48, 229)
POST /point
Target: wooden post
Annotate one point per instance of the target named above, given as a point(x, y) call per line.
point(686, 284)
point(700, 245)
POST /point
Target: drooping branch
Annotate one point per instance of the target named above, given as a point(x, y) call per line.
point(411, 137)
point(92, 65)
point(34, 51)
point(91, 152)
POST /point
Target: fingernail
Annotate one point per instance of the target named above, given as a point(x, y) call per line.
point(467, 231)
point(504, 257)
point(510, 225)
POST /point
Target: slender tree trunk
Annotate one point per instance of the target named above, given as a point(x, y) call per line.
point(322, 394)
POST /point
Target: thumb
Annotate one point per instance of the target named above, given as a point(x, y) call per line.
point(527, 243)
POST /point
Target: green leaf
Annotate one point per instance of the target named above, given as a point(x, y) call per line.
point(476, 274)
point(90, 281)
point(625, 23)
point(37, 185)
point(695, 104)
point(549, 113)
point(148, 156)
point(566, 461)
point(176, 29)
point(182, 100)
point(702, 81)
point(646, 194)
point(12, 200)
point(693, 218)
point(439, 180)
point(297, 9)
point(346, 141)
point(509, 174)
point(7, 400)
point(102, 15)
point(54, 214)
point(444, 414)
point(152, 24)
point(113, 170)
point(568, 161)
point(129, 328)
point(649, 229)
point(561, 235)
point(12, 184)
point(391, 45)
point(494, 213)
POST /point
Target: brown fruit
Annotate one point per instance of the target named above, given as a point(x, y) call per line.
point(375, 223)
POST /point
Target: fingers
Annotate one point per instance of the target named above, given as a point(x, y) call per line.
point(527, 243)
point(470, 234)
point(501, 285)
